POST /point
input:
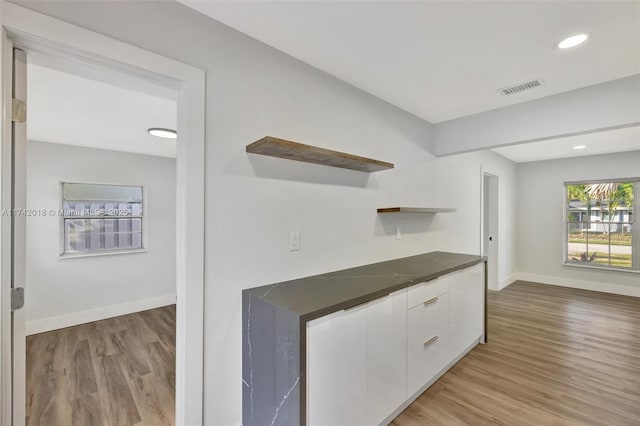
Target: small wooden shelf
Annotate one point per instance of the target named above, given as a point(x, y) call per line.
point(290, 150)
point(414, 210)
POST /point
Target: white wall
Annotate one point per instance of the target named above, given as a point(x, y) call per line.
point(540, 223)
point(611, 104)
point(63, 292)
point(253, 202)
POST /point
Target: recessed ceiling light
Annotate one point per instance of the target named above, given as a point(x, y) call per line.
point(579, 147)
point(573, 41)
point(163, 133)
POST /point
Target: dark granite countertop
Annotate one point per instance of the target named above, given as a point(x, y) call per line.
point(319, 295)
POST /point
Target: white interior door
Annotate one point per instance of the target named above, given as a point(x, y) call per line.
point(490, 226)
point(18, 232)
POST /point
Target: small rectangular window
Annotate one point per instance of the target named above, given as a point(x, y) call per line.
point(599, 224)
point(102, 218)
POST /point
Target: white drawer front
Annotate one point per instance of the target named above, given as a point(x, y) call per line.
point(426, 362)
point(420, 293)
point(427, 320)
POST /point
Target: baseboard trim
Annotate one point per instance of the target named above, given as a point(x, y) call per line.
point(506, 282)
point(580, 284)
point(82, 317)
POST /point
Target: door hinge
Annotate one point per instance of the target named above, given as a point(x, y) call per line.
point(18, 111)
point(17, 298)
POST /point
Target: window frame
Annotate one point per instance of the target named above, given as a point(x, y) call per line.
point(70, 255)
point(634, 219)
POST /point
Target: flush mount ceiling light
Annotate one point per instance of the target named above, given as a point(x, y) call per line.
point(573, 41)
point(163, 133)
point(579, 147)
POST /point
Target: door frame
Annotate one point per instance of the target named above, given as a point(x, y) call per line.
point(490, 199)
point(29, 30)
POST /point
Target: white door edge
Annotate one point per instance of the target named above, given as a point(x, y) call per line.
point(6, 367)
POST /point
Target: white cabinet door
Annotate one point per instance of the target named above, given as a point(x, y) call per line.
point(386, 355)
point(337, 369)
point(466, 308)
point(474, 280)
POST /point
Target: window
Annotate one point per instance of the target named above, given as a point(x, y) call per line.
point(101, 218)
point(599, 224)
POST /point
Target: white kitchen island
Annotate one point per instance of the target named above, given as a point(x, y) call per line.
point(356, 347)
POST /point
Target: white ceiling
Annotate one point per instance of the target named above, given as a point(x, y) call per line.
point(75, 104)
point(620, 140)
point(442, 60)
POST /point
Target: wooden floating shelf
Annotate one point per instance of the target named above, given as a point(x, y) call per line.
point(290, 150)
point(414, 210)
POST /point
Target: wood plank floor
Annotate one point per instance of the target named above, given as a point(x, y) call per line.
point(556, 356)
point(115, 372)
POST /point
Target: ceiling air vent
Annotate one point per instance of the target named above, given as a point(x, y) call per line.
point(521, 87)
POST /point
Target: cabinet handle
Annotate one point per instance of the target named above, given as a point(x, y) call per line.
point(430, 341)
point(430, 301)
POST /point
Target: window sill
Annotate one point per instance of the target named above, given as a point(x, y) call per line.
point(602, 268)
point(101, 253)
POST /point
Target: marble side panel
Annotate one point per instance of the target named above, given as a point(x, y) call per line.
point(271, 368)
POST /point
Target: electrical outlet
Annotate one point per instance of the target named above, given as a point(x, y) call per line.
point(294, 240)
point(398, 233)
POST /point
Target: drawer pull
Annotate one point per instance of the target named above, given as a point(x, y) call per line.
point(430, 341)
point(432, 300)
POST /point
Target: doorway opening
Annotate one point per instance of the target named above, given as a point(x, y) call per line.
point(33, 32)
point(100, 254)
